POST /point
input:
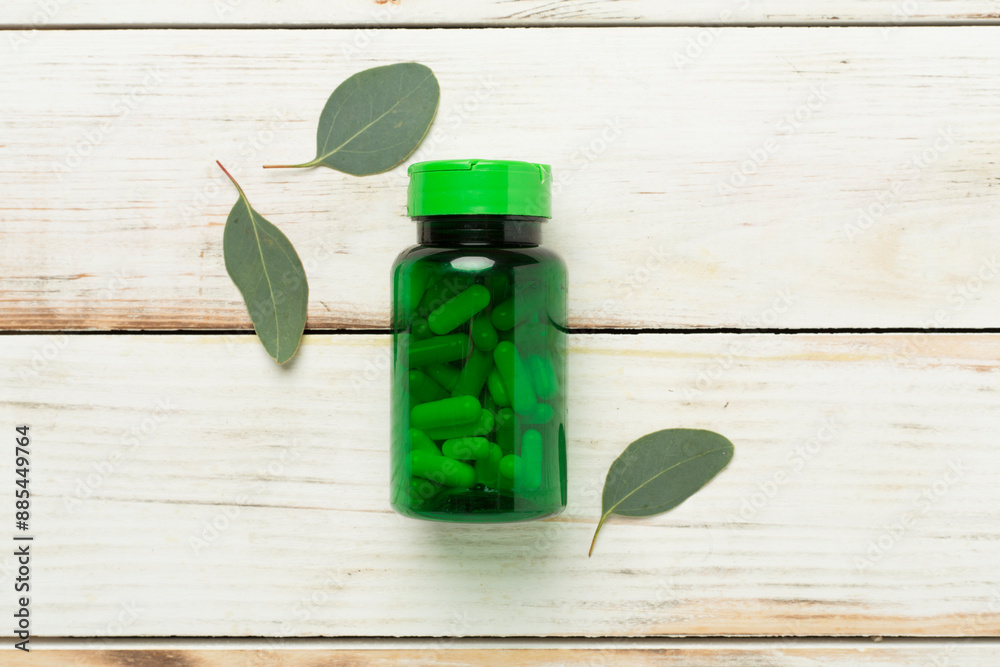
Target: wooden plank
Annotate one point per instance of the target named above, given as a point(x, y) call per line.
point(848, 655)
point(872, 203)
point(187, 485)
point(431, 13)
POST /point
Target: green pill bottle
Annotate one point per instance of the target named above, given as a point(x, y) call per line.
point(479, 348)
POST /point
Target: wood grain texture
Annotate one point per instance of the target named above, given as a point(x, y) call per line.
point(871, 197)
point(786, 654)
point(187, 485)
point(431, 13)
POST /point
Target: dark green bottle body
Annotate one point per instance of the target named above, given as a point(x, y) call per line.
point(479, 372)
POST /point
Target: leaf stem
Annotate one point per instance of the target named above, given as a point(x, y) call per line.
point(599, 524)
point(226, 172)
point(304, 165)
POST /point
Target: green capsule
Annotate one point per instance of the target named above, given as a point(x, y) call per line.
point(516, 379)
point(509, 465)
point(504, 417)
point(542, 414)
point(430, 299)
point(422, 491)
point(555, 303)
point(424, 389)
point(530, 471)
point(420, 329)
point(445, 375)
point(542, 334)
point(525, 306)
point(442, 469)
point(419, 442)
point(446, 412)
point(561, 460)
point(419, 279)
point(497, 391)
point(503, 315)
point(473, 375)
point(459, 310)
point(488, 467)
point(488, 403)
point(504, 483)
point(484, 335)
point(506, 425)
point(543, 376)
point(409, 289)
point(497, 284)
point(466, 448)
point(442, 290)
point(439, 349)
point(483, 425)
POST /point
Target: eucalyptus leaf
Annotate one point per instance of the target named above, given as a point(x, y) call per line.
point(375, 119)
point(660, 471)
point(267, 270)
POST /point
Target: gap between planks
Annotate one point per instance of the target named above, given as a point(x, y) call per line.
point(435, 643)
point(993, 20)
point(303, 652)
point(586, 331)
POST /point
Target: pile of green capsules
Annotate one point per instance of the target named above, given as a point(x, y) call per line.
point(484, 366)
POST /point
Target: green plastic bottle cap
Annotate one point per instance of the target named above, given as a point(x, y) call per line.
point(480, 187)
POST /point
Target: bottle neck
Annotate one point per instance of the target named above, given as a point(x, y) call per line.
point(479, 230)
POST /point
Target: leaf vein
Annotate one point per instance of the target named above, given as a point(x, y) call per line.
point(370, 124)
point(270, 287)
point(662, 472)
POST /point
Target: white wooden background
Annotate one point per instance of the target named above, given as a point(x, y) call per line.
point(26, 14)
point(709, 178)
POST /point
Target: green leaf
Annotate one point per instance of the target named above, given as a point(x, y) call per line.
point(661, 470)
point(266, 269)
point(375, 119)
